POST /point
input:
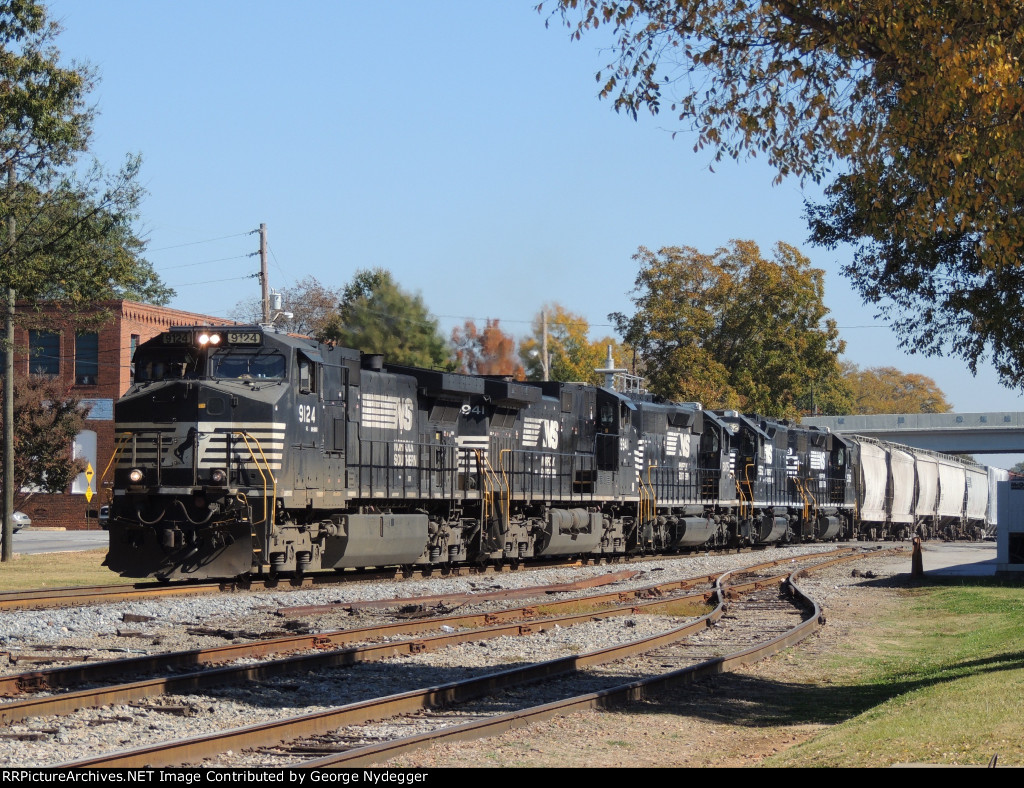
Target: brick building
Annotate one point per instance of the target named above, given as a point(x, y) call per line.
point(95, 363)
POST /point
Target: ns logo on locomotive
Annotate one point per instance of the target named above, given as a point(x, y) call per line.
point(245, 451)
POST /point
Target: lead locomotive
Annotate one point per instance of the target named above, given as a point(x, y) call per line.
point(247, 451)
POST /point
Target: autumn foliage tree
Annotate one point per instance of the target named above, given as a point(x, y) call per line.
point(733, 329)
point(487, 352)
point(888, 390)
point(309, 302)
point(573, 355)
point(916, 104)
point(46, 420)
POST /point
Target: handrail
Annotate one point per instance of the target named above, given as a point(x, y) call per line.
point(266, 509)
point(810, 494)
point(504, 479)
point(488, 491)
point(653, 494)
point(810, 502)
point(749, 498)
point(641, 511)
point(118, 448)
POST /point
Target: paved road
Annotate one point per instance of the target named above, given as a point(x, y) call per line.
point(32, 541)
point(959, 559)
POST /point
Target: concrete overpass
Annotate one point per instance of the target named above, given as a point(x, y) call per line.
point(955, 433)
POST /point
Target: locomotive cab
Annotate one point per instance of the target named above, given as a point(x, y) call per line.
point(198, 442)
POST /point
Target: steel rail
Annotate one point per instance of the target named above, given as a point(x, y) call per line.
point(171, 753)
point(605, 699)
point(87, 595)
point(460, 598)
point(275, 732)
point(16, 684)
point(70, 702)
point(68, 676)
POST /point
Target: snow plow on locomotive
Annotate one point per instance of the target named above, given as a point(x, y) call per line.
point(243, 451)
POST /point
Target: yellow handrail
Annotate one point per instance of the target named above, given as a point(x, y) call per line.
point(810, 502)
point(642, 507)
point(266, 509)
point(653, 494)
point(118, 448)
point(488, 492)
point(648, 503)
point(750, 489)
point(504, 479)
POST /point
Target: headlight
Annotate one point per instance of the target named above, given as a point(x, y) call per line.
point(136, 475)
point(208, 339)
point(219, 476)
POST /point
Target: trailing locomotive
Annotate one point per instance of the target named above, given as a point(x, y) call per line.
point(243, 451)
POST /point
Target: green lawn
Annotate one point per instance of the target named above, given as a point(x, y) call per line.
point(941, 681)
point(56, 570)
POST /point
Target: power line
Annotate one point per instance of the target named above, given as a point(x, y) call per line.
point(568, 324)
point(215, 281)
point(196, 243)
point(277, 265)
point(205, 262)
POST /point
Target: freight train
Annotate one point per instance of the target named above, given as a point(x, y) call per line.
point(247, 451)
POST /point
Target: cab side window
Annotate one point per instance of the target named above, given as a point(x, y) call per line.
point(307, 376)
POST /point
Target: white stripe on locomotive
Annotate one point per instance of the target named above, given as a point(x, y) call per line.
point(388, 412)
point(266, 440)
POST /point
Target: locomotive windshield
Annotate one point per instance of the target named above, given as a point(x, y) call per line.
point(166, 364)
point(248, 365)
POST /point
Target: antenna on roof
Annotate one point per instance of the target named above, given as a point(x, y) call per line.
point(619, 379)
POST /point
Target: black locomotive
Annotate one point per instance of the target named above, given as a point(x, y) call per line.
point(244, 451)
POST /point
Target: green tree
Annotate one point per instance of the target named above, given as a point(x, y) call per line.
point(571, 353)
point(735, 330)
point(487, 352)
point(77, 243)
point(65, 235)
point(915, 103)
point(888, 390)
point(46, 420)
point(376, 316)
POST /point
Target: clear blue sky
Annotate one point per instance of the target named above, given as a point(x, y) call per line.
point(459, 144)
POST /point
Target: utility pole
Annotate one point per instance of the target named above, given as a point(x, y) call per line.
point(545, 362)
point(7, 550)
point(264, 284)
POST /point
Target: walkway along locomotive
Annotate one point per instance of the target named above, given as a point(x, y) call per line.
point(246, 451)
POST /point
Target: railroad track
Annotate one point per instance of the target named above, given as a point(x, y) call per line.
point(371, 707)
point(91, 595)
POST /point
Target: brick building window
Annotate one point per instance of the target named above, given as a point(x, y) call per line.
point(87, 358)
point(131, 356)
point(44, 353)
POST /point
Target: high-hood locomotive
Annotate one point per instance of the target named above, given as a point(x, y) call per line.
point(242, 450)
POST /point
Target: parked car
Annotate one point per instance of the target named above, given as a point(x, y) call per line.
point(21, 520)
point(104, 517)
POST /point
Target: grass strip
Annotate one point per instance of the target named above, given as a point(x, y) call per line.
point(938, 681)
point(57, 570)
